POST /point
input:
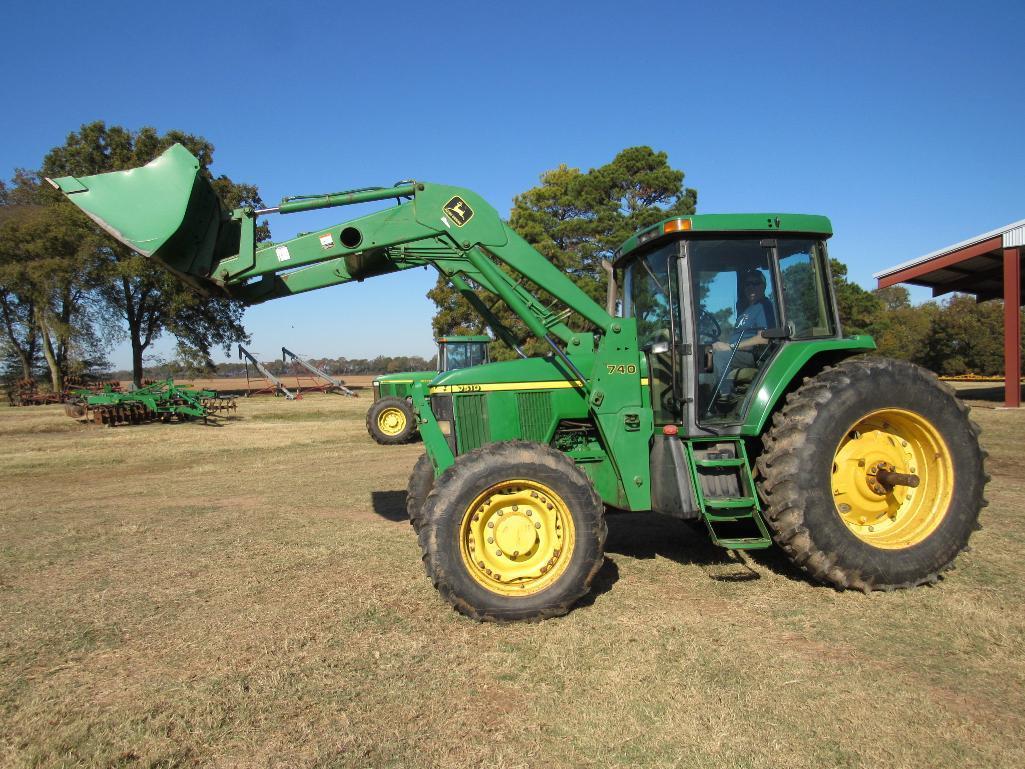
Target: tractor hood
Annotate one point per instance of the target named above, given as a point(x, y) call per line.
point(524, 374)
point(406, 377)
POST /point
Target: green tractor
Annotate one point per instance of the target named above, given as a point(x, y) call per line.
point(390, 419)
point(722, 390)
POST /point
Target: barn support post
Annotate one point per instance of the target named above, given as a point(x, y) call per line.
point(1012, 327)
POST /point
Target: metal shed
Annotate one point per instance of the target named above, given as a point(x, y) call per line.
point(987, 266)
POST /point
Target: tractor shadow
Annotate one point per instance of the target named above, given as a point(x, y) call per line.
point(390, 505)
point(649, 535)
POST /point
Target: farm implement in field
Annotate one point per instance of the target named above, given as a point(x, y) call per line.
point(273, 386)
point(161, 401)
point(320, 380)
point(715, 385)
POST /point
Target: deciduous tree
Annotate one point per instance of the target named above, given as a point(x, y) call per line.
point(147, 299)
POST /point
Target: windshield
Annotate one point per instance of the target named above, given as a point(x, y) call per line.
point(736, 299)
point(463, 355)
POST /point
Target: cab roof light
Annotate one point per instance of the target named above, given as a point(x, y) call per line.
point(676, 225)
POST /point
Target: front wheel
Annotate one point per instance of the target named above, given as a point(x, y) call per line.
point(873, 475)
point(421, 481)
point(391, 421)
point(512, 531)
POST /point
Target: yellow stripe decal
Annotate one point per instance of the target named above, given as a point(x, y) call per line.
point(559, 384)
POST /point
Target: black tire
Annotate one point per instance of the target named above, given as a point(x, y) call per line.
point(386, 406)
point(421, 481)
point(798, 472)
point(483, 472)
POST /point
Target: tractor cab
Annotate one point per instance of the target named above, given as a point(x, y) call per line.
point(455, 352)
point(716, 298)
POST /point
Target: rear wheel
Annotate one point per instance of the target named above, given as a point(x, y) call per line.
point(873, 475)
point(391, 421)
point(513, 531)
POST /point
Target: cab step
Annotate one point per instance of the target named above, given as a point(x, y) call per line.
point(726, 493)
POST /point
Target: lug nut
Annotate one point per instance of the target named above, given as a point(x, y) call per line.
point(530, 512)
point(537, 525)
point(491, 540)
point(515, 508)
point(491, 524)
point(498, 552)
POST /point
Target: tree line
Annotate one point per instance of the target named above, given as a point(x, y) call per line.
point(952, 337)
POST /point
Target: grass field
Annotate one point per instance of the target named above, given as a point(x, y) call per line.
point(251, 595)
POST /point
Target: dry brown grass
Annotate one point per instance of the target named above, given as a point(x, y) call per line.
point(251, 595)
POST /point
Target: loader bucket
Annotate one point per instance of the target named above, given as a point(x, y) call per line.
point(165, 210)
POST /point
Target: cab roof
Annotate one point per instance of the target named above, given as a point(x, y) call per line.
point(728, 224)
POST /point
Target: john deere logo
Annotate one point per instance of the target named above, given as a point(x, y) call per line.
point(458, 211)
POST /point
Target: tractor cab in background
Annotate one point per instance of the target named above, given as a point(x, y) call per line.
point(455, 352)
point(390, 419)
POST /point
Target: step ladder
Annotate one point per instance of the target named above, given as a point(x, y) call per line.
point(726, 493)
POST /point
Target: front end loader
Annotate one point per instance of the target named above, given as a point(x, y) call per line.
point(724, 392)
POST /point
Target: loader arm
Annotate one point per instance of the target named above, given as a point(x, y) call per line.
point(168, 211)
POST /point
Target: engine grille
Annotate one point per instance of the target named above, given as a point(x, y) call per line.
point(472, 421)
point(535, 410)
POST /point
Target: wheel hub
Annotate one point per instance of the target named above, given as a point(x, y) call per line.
point(872, 476)
point(892, 478)
point(391, 421)
point(517, 537)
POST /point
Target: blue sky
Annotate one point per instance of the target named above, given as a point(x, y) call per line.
point(903, 122)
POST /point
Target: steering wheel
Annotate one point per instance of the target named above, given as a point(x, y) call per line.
point(709, 329)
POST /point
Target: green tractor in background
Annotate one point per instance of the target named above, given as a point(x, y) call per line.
point(715, 386)
point(390, 419)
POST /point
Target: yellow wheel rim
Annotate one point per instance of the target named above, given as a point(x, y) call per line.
point(517, 538)
point(391, 421)
point(898, 516)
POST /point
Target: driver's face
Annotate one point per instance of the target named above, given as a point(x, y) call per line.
point(754, 288)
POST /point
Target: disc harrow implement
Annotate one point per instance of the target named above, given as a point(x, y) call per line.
point(161, 401)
